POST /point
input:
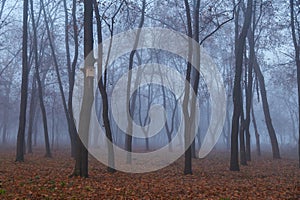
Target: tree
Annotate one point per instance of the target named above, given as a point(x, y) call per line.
point(39, 83)
point(237, 93)
point(102, 87)
point(131, 106)
point(71, 72)
point(187, 125)
point(264, 98)
point(71, 66)
point(296, 42)
point(81, 164)
point(24, 88)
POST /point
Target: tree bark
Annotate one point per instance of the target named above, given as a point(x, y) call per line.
point(81, 164)
point(271, 130)
point(24, 88)
point(256, 133)
point(237, 93)
point(196, 74)
point(187, 124)
point(242, 139)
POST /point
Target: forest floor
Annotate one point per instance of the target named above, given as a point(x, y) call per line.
point(44, 178)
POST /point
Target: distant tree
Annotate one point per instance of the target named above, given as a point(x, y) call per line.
point(32, 113)
point(24, 88)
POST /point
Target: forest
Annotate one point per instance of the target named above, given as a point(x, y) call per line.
point(171, 99)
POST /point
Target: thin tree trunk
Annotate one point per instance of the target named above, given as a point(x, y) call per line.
point(56, 65)
point(24, 88)
point(256, 133)
point(71, 71)
point(130, 106)
point(40, 89)
point(196, 73)
point(103, 92)
point(271, 130)
point(248, 89)
point(52, 127)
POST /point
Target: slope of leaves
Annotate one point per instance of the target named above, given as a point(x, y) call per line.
point(44, 178)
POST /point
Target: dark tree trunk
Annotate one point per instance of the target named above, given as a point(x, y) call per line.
point(81, 164)
point(237, 93)
point(131, 105)
point(256, 133)
point(242, 140)
point(71, 123)
point(71, 71)
point(102, 89)
point(196, 74)
point(271, 131)
point(24, 88)
point(40, 89)
point(187, 123)
point(248, 89)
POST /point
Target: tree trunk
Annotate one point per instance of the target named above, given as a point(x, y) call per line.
point(130, 106)
point(271, 131)
point(237, 93)
point(24, 88)
point(256, 133)
point(71, 123)
point(242, 139)
point(40, 88)
point(196, 74)
point(71, 71)
point(248, 89)
point(102, 89)
point(81, 164)
point(187, 123)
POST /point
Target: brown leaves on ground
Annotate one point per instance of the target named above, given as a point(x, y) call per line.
point(44, 178)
